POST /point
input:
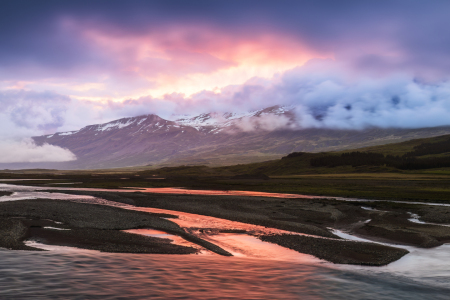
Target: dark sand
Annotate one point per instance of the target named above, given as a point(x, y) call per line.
point(308, 216)
point(12, 233)
point(92, 227)
point(339, 251)
point(298, 215)
point(105, 240)
point(396, 228)
point(261, 211)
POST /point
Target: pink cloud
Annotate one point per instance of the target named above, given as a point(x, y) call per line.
point(168, 54)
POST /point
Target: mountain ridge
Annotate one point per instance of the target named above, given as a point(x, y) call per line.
point(211, 139)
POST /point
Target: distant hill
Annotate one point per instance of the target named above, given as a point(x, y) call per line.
point(413, 155)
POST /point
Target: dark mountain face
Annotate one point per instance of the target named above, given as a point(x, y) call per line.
point(211, 139)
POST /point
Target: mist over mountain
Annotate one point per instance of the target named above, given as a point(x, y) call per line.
point(209, 139)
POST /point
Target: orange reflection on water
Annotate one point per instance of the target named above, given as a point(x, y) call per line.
point(182, 191)
point(243, 245)
point(194, 222)
point(164, 235)
point(217, 231)
point(221, 193)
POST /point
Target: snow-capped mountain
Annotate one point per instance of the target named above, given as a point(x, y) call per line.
point(133, 126)
point(149, 139)
point(206, 123)
point(213, 139)
point(216, 122)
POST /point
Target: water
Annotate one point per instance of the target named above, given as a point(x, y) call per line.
point(425, 265)
point(88, 274)
point(258, 270)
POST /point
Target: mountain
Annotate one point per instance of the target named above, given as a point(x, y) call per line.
point(211, 139)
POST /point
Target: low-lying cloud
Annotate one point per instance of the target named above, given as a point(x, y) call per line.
point(27, 151)
point(24, 114)
point(325, 95)
point(264, 122)
point(342, 102)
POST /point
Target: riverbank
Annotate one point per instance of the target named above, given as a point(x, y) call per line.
point(99, 227)
point(339, 251)
point(90, 226)
point(378, 221)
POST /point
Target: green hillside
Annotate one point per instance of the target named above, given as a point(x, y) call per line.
point(429, 154)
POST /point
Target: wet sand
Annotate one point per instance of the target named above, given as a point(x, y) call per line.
point(391, 222)
point(96, 227)
point(91, 226)
point(339, 251)
point(100, 227)
point(386, 222)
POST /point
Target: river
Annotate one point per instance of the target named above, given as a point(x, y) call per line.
point(270, 273)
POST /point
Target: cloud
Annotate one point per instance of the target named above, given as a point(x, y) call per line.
point(68, 64)
point(25, 150)
point(264, 122)
point(32, 111)
point(27, 113)
point(325, 94)
point(327, 100)
point(373, 35)
point(389, 67)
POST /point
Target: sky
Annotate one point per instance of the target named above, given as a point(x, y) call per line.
point(341, 64)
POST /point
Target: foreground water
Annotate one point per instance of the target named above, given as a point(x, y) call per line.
point(68, 274)
point(257, 271)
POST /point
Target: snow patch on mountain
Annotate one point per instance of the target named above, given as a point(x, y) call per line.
point(67, 133)
point(119, 124)
point(208, 123)
point(216, 122)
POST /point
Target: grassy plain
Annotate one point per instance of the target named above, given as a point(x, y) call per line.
point(418, 186)
point(287, 175)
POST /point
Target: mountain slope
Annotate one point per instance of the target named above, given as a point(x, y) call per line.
point(211, 139)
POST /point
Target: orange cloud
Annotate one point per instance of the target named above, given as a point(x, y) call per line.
point(189, 59)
